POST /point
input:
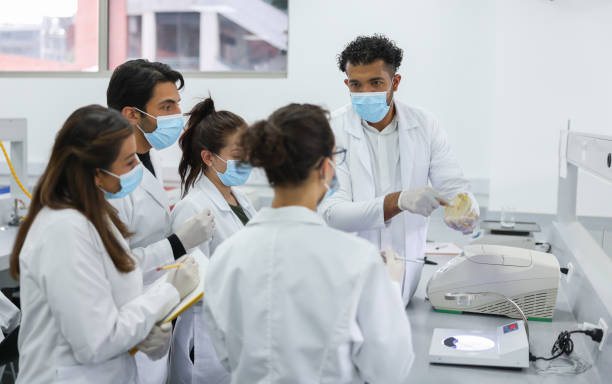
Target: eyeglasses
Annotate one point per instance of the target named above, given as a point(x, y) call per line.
point(339, 156)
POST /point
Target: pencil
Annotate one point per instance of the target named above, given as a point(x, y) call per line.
point(169, 266)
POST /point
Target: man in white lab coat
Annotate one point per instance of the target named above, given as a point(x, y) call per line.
point(147, 94)
point(394, 151)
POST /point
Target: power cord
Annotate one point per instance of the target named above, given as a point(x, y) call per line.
point(565, 344)
point(558, 364)
point(546, 244)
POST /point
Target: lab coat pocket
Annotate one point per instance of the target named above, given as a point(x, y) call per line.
point(117, 370)
point(71, 374)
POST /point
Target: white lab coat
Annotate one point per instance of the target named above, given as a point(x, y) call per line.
point(80, 315)
point(9, 316)
point(146, 212)
point(190, 328)
point(290, 300)
point(9, 320)
point(425, 157)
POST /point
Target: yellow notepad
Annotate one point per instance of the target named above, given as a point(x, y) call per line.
point(189, 300)
point(192, 298)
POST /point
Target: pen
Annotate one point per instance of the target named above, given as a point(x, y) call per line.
point(168, 266)
point(420, 261)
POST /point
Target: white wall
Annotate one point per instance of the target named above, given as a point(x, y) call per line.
point(554, 63)
point(503, 77)
point(442, 71)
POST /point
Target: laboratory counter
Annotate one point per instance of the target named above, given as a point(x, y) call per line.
point(423, 320)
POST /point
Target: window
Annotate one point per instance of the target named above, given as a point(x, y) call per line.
point(42, 35)
point(201, 35)
point(178, 39)
point(189, 35)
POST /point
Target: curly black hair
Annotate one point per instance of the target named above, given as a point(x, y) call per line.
point(367, 49)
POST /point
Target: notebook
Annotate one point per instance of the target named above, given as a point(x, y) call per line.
point(192, 298)
point(189, 300)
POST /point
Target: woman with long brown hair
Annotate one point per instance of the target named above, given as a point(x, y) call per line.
point(82, 300)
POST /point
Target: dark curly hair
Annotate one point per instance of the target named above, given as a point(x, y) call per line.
point(365, 50)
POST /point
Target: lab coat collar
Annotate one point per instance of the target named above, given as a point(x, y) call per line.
point(155, 188)
point(294, 214)
point(215, 195)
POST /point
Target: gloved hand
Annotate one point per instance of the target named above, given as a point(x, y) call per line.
point(157, 343)
point(463, 215)
point(422, 201)
point(464, 224)
point(197, 230)
point(395, 266)
point(186, 277)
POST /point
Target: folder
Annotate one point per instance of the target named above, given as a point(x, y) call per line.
point(191, 299)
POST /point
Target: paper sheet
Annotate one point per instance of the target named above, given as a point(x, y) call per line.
point(436, 248)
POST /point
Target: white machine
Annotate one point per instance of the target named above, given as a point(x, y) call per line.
point(505, 346)
point(492, 272)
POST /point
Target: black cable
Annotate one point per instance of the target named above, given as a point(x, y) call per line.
point(565, 344)
point(429, 262)
point(549, 246)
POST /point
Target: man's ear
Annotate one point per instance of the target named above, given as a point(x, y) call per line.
point(397, 78)
point(131, 114)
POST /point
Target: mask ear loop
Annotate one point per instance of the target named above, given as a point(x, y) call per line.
point(141, 111)
point(215, 168)
point(138, 125)
point(323, 177)
point(392, 91)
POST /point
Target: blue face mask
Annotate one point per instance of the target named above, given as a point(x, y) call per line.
point(371, 106)
point(129, 181)
point(333, 185)
point(167, 132)
point(236, 172)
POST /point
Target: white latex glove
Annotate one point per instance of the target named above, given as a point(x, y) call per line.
point(422, 201)
point(156, 344)
point(197, 230)
point(186, 277)
point(395, 266)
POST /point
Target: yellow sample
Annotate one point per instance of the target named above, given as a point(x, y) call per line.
point(461, 206)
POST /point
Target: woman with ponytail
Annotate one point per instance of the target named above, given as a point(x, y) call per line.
point(82, 299)
point(290, 300)
point(210, 170)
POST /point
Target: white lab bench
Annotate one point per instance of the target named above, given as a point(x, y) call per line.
point(424, 319)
